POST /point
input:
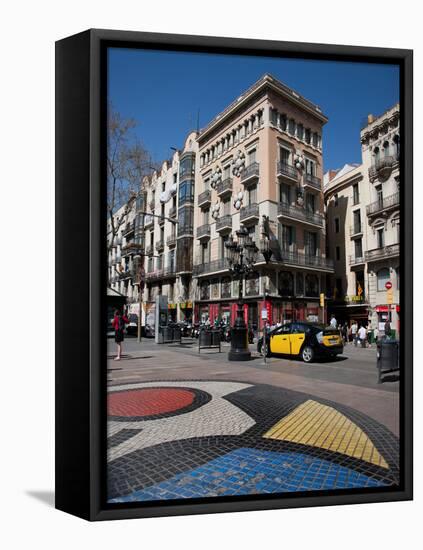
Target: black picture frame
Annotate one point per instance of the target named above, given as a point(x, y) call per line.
point(80, 277)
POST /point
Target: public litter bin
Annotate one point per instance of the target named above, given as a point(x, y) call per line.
point(215, 338)
point(387, 357)
point(205, 338)
point(176, 333)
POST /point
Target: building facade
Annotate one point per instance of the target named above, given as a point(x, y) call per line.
point(363, 224)
point(262, 156)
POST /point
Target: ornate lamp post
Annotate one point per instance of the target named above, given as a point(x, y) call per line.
point(242, 255)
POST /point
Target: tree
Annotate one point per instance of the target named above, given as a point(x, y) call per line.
point(127, 163)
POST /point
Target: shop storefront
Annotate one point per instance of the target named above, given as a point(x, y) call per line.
point(185, 309)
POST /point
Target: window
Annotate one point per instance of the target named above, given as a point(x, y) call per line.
point(336, 225)
point(251, 157)
point(356, 194)
point(358, 248)
point(283, 122)
point(300, 131)
point(338, 287)
point(310, 167)
point(287, 237)
point(285, 193)
point(396, 141)
point(205, 252)
point(273, 116)
point(206, 184)
point(310, 243)
point(285, 155)
point(310, 203)
point(226, 172)
point(379, 195)
point(186, 192)
point(307, 135)
point(311, 285)
point(291, 128)
point(171, 260)
point(252, 195)
point(376, 154)
point(206, 213)
point(315, 139)
point(299, 284)
point(386, 149)
point(163, 186)
point(356, 221)
point(382, 278)
point(380, 236)
point(227, 207)
point(286, 283)
point(338, 253)
point(223, 240)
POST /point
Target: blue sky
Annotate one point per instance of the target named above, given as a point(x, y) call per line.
point(163, 91)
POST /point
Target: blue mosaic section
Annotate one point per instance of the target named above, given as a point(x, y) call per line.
point(251, 471)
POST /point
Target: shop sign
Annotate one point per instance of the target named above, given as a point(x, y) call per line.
point(264, 314)
point(390, 296)
point(322, 299)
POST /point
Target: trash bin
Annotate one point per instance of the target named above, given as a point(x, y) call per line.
point(215, 340)
point(387, 357)
point(205, 338)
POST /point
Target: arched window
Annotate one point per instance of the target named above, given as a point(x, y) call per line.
point(382, 278)
point(376, 152)
point(386, 148)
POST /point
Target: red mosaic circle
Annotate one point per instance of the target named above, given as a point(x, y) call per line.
point(148, 401)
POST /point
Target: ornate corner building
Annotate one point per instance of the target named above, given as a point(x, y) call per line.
point(262, 156)
point(363, 221)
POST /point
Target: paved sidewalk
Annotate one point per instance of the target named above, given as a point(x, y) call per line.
point(188, 425)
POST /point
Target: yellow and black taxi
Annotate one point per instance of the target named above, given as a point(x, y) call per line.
point(302, 339)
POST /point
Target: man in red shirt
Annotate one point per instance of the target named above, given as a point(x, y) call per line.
point(118, 323)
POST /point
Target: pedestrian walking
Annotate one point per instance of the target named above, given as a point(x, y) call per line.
point(369, 335)
point(344, 331)
point(118, 323)
point(362, 335)
point(376, 335)
point(333, 321)
point(354, 329)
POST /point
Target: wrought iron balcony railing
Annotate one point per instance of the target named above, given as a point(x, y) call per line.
point(384, 203)
point(298, 213)
point(383, 252)
point(224, 187)
point(225, 222)
point(382, 166)
point(250, 172)
point(313, 181)
point(249, 212)
point(308, 260)
point(204, 198)
point(286, 169)
point(203, 231)
point(211, 267)
point(357, 260)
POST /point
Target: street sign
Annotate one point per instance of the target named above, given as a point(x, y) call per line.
point(389, 296)
point(264, 313)
point(388, 285)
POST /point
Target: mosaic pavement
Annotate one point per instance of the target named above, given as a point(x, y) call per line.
point(196, 439)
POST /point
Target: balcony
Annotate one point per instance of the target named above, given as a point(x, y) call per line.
point(203, 232)
point(127, 274)
point(161, 219)
point(384, 204)
point(171, 241)
point(211, 267)
point(224, 187)
point(299, 259)
point(160, 246)
point(250, 174)
point(300, 214)
point(130, 248)
point(382, 167)
point(356, 260)
point(285, 170)
point(383, 252)
point(224, 223)
point(148, 221)
point(185, 229)
point(172, 212)
point(204, 198)
point(149, 251)
point(312, 181)
point(356, 230)
point(249, 214)
point(165, 273)
point(128, 229)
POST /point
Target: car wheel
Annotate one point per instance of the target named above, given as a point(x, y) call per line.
point(307, 354)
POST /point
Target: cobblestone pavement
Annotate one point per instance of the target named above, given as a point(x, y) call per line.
point(182, 426)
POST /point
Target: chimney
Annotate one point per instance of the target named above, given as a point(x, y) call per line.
point(332, 174)
point(370, 119)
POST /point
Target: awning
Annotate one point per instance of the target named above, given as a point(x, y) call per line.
point(382, 309)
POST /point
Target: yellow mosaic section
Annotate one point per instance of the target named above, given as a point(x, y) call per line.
point(318, 425)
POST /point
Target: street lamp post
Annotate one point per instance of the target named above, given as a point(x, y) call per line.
point(242, 255)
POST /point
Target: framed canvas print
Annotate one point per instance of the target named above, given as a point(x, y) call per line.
point(234, 274)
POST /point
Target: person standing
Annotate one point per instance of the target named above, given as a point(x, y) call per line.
point(376, 335)
point(333, 321)
point(387, 328)
point(345, 333)
point(369, 335)
point(362, 335)
point(118, 323)
point(354, 329)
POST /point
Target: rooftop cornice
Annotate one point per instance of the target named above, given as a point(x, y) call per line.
point(266, 81)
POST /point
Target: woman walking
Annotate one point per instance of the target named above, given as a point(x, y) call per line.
point(118, 323)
